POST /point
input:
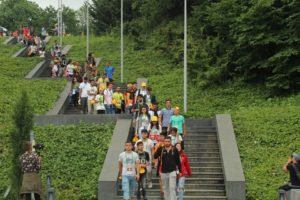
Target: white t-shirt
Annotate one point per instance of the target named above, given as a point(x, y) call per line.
point(93, 92)
point(175, 139)
point(148, 145)
point(84, 86)
point(70, 69)
point(108, 96)
point(100, 105)
point(129, 163)
point(151, 113)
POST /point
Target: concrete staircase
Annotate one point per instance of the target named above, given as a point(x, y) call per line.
point(201, 146)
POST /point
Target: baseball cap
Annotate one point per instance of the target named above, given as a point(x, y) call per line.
point(144, 84)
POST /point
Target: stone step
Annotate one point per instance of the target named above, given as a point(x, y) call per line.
point(200, 145)
point(191, 186)
point(194, 180)
point(157, 197)
point(200, 130)
point(203, 159)
point(201, 137)
point(202, 150)
point(188, 192)
point(206, 164)
point(198, 122)
point(207, 169)
point(203, 154)
point(196, 140)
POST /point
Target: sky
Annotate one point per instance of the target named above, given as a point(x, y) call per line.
point(75, 4)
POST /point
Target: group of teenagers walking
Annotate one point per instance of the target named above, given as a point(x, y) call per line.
point(156, 148)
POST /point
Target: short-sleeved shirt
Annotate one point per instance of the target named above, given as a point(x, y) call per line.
point(293, 174)
point(166, 116)
point(175, 139)
point(148, 145)
point(108, 96)
point(128, 163)
point(144, 159)
point(177, 121)
point(93, 92)
point(109, 71)
point(30, 162)
point(84, 87)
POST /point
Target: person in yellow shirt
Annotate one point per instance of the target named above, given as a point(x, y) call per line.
point(117, 100)
point(102, 82)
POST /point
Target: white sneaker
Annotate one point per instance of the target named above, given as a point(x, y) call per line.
point(150, 184)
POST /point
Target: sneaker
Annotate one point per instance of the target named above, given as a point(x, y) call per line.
point(150, 184)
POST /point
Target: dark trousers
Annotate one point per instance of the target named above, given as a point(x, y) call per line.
point(84, 104)
point(100, 111)
point(141, 186)
point(28, 196)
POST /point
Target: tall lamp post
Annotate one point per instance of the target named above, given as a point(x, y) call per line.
point(122, 45)
point(185, 57)
point(60, 23)
point(87, 30)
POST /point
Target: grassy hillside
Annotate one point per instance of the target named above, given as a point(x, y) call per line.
point(266, 128)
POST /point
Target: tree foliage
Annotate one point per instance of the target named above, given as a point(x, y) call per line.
point(23, 123)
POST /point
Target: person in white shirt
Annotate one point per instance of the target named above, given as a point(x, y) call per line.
point(99, 99)
point(83, 95)
point(148, 147)
point(129, 167)
point(92, 92)
point(70, 69)
point(108, 98)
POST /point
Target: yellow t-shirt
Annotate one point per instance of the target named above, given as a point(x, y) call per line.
point(102, 83)
point(117, 99)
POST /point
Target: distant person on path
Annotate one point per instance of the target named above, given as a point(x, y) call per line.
point(175, 137)
point(31, 165)
point(143, 120)
point(92, 92)
point(129, 169)
point(108, 98)
point(75, 92)
point(148, 147)
point(293, 167)
point(166, 114)
point(142, 91)
point(102, 81)
point(83, 87)
point(117, 100)
point(170, 166)
point(109, 69)
point(99, 99)
point(186, 170)
point(154, 130)
point(144, 163)
point(128, 97)
point(178, 122)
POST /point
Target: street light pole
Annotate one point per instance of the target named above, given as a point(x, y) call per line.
point(87, 30)
point(60, 23)
point(122, 44)
point(185, 57)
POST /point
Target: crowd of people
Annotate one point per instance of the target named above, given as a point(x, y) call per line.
point(156, 148)
point(27, 36)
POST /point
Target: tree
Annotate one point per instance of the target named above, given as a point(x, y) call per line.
point(23, 123)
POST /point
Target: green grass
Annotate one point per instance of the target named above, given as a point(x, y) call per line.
point(42, 93)
point(266, 128)
point(74, 155)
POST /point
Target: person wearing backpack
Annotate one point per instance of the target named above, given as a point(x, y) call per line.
point(170, 167)
point(293, 167)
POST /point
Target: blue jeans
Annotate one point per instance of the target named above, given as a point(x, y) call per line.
point(109, 109)
point(180, 187)
point(128, 186)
